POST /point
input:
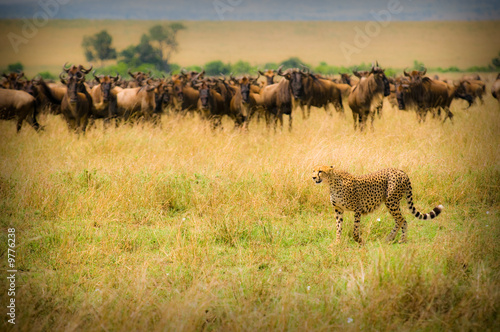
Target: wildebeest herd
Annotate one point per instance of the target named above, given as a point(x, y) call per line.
point(144, 98)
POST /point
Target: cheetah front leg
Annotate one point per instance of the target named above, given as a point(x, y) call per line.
point(339, 219)
point(357, 220)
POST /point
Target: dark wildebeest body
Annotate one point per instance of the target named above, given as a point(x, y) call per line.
point(20, 105)
point(495, 88)
point(366, 96)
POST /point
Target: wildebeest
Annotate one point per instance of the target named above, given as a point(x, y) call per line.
point(76, 105)
point(104, 102)
point(474, 88)
point(20, 105)
point(425, 94)
point(239, 106)
point(134, 103)
point(310, 90)
point(366, 96)
point(211, 104)
point(13, 80)
point(277, 100)
point(495, 88)
point(269, 75)
point(138, 78)
point(471, 77)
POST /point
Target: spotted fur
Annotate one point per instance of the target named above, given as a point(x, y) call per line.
point(363, 194)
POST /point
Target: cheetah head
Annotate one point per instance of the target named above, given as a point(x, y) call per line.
point(319, 173)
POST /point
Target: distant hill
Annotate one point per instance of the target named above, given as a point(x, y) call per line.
point(254, 10)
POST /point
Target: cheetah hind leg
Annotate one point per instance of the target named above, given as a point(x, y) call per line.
point(400, 223)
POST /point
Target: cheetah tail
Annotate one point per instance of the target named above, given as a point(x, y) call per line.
point(431, 215)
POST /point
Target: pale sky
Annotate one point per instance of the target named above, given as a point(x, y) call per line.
point(330, 10)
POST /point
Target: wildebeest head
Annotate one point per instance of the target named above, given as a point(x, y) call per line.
point(106, 84)
point(29, 87)
point(402, 89)
point(204, 90)
point(163, 92)
point(295, 76)
point(244, 88)
point(345, 78)
point(139, 76)
point(13, 80)
point(269, 75)
point(73, 84)
point(360, 74)
point(177, 87)
point(415, 75)
point(380, 75)
point(74, 70)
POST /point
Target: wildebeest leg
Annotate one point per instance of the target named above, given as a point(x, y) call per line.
point(33, 121)
point(91, 122)
point(363, 118)
point(372, 118)
point(328, 111)
point(84, 122)
point(420, 115)
point(448, 114)
point(355, 117)
point(289, 121)
point(19, 124)
point(308, 110)
point(339, 107)
point(304, 116)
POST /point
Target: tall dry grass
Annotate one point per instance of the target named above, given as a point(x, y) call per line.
point(183, 228)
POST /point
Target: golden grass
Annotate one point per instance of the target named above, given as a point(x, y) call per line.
point(182, 228)
point(436, 44)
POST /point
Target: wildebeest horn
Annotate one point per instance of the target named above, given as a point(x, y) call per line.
point(130, 73)
point(62, 78)
point(93, 73)
point(423, 72)
point(86, 71)
point(405, 73)
point(260, 72)
point(355, 72)
point(376, 63)
point(306, 70)
point(64, 67)
point(279, 72)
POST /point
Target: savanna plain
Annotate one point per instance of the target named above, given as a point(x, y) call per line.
point(183, 228)
point(180, 227)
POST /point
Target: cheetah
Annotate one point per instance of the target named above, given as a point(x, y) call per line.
point(363, 194)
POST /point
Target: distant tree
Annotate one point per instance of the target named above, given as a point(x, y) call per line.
point(164, 40)
point(216, 68)
point(142, 53)
point(496, 61)
point(293, 62)
point(242, 67)
point(46, 75)
point(98, 47)
point(418, 65)
point(270, 65)
point(17, 67)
